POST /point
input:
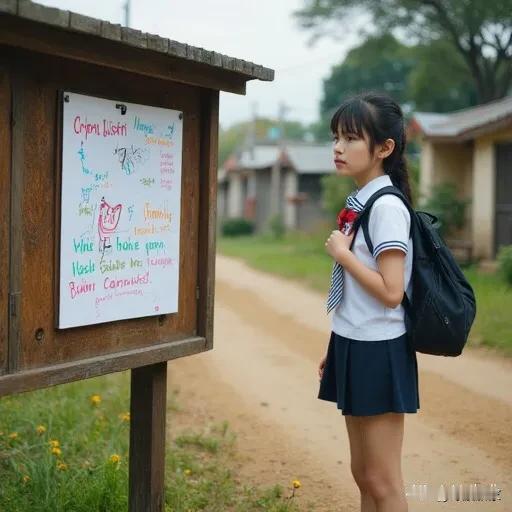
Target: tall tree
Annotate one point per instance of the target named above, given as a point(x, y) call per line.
point(429, 77)
point(440, 81)
point(379, 63)
point(479, 30)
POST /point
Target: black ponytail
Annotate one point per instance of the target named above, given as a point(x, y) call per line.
point(395, 165)
point(381, 118)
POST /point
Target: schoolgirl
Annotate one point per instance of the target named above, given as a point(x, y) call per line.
point(369, 369)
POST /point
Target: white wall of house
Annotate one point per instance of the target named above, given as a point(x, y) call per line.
point(427, 168)
point(483, 204)
point(484, 185)
point(234, 195)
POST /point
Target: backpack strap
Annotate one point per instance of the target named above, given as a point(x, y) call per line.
point(364, 216)
point(363, 221)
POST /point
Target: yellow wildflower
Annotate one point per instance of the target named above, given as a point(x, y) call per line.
point(56, 451)
point(115, 458)
point(61, 466)
point(25, 479)
point(40, 429)
point(54, 443)
point(296, 484)
point(13, 435)
point(187, 471)
point(125, 416)
point(95, 399)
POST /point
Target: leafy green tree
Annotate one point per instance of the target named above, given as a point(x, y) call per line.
point(440, 81)
point(480, 31)
point(405, 72)
point(379, 63)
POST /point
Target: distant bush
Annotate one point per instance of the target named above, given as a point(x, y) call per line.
point(505, 263)
point(237, 227)
point(335, 190)
point(277, 227)
point(444, 203)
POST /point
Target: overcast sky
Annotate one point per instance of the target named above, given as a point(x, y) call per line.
point(260, 31)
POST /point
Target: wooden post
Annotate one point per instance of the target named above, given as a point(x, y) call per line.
point(147, 438)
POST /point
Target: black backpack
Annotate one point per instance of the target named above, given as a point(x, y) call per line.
point(443, 306)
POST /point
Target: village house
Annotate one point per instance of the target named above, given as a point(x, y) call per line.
point(472, 148)
point(269, 179)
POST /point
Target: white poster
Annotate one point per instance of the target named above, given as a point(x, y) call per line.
point(120, 210)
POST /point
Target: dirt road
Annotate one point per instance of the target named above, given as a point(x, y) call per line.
point(261, 377)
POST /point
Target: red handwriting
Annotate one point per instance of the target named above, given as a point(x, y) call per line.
point(108, 128)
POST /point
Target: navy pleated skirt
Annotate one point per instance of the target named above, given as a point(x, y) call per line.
point(370, 377)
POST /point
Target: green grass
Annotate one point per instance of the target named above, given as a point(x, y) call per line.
point(493, 323)
point(88, 435)
point(302, 257)
point(198, 462)
point(298, 256)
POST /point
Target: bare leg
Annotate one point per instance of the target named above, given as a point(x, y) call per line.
point(381, 439)
point(357, 463)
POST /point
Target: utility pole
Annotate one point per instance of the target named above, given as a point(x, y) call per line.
point(252, 127)
point(281, 113)
point(126, 8)
point(275, 174)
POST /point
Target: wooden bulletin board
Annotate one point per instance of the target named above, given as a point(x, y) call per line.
point(53, 180)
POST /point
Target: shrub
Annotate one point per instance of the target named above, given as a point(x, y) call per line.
point(335, 190)
point(277, 227)
point(447, 207)
point(413, 167)
point(505, 263)
point(237, 227)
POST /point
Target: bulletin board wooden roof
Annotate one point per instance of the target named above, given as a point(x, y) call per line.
point(204, 67)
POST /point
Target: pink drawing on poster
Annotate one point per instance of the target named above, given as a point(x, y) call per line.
point(108, 220)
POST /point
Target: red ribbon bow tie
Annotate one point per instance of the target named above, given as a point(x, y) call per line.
point(346, 219)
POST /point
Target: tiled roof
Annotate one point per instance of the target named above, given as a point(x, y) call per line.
point(464, 123)
point(305, 158)
point(74, 22)
point(311, 158)
point(259, 157)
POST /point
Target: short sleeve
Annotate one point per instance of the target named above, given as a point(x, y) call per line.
point(389, 227)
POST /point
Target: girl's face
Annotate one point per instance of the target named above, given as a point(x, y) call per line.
point(352, 155)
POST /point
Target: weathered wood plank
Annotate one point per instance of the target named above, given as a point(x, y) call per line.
point(15, 235)
point(73, 22)
point(85, 47)
point(147, 438)
point(5, 183)
point(29, 380)
point(208, 213)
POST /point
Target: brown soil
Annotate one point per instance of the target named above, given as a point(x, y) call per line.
point(261, 377)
